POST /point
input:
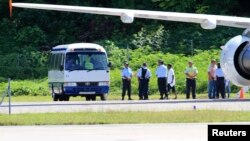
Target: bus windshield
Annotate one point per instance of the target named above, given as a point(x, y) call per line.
point(86, 61)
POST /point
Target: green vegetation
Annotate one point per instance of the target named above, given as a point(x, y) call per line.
point(37, 87)
point(138, 56)
point(179, 61)
point(122, 117)
point(27, 37)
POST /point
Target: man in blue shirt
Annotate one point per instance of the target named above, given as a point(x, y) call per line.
point(220, 82)
point(143, 75)
point(161, 73)
point(126, 80)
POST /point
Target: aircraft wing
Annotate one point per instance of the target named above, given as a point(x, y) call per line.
point(128, 15)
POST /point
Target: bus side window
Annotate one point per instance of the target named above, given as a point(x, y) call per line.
point(50, 61)
point(58, 61)
point(55, 62)
point(62, 61)
point(52, 65)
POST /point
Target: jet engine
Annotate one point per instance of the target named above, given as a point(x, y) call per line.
point(235, 59)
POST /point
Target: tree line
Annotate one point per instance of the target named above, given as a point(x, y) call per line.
point(27, 37)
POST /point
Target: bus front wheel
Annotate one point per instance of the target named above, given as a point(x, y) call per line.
point(63, 97)
point(103, 97)
point(93, 98)
point(66, 98)
point(55, 97)
point(90, 97)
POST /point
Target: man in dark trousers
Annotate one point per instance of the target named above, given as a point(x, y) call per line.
point(126, 80)
point(220, 82)
point(191, 73)
point(143, 75)
point(161, 73)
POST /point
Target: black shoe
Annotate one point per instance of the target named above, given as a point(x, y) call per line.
point(166, 97)
point(122, 98)
point(161, 98)
point(130, 99)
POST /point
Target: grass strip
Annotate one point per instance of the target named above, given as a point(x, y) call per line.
point(83, 118)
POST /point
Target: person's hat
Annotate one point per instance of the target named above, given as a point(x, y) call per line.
point(126, 63)
point(190, 61)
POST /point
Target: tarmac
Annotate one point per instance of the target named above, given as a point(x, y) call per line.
point(125, 106)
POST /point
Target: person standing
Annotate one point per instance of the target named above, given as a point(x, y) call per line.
point(220, 82)
point(212, 79)
point(126, 81)
point(171, 80)
point(191, 73)
point(143, 75)
point(161, 73)
point(227, 88)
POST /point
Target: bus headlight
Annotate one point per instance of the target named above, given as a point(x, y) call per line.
point(70, 84)
point(103, 83)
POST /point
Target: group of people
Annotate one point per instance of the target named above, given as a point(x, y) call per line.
point(217, 84)
point(165, 75)
point(166, 80)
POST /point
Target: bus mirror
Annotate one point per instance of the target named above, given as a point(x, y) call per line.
point(109, 64)
point(61, 67)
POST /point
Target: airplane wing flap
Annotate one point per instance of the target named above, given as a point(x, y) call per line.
point(206, 21)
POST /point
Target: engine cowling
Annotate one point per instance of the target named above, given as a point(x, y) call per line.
point(209, 24)
point(127, 17)
point(235, 60)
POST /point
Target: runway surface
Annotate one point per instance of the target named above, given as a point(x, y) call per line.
point(135, 105)
point(118, 132)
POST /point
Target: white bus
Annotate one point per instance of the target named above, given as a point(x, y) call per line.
point(79, 69)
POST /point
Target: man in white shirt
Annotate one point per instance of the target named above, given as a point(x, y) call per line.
point(143, 75)
point(161, 73)
point(171, 80)
point(126, 80)
point(220, 82)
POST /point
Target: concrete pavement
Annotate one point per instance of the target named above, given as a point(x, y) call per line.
point(113, 132)
point(124, 132)
point(135, 105)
